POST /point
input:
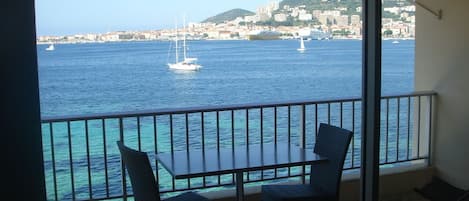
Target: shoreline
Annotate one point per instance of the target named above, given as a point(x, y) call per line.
point(123, 41)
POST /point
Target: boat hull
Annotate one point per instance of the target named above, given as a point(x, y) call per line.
point(185, 66)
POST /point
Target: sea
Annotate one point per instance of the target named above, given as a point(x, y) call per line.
point(96, 78)
point(93, 78)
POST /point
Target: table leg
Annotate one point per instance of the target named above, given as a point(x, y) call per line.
point(239, 186)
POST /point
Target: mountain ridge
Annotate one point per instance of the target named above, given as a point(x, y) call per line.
point(228, 15)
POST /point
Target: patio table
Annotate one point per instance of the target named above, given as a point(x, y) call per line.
point(211, 162)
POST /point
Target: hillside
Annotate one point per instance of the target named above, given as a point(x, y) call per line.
point(320, 4)
point(228, 15)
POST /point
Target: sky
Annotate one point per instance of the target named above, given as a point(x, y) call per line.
point(63, 17)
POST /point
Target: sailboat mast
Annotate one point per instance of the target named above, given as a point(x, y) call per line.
point(177, 48)
point(184, 32)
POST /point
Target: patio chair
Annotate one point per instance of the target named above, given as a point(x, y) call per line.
point(331, 142)
point(144, 185)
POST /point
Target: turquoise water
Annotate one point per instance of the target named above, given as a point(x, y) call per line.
point(115, 77)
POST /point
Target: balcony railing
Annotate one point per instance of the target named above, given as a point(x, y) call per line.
point(82, 161)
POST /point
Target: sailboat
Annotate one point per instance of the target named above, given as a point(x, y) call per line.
point(50, 48)
point(302, 45)
point(187, 63)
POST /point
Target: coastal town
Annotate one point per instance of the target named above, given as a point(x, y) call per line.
point(275, 20)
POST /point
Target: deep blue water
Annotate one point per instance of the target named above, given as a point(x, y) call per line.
point(116, 77)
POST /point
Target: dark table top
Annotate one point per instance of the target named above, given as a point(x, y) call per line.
point(196, 163)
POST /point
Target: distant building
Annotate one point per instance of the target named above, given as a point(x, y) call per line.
point(305, 17)
point(331, 12)
point(281, 17)
point(263, 17)
point(408, 8)
point(341, 20)
point(359, 9)
point(394, 10)
point(385, 21)
point(316, 13)
point(342, 8)
point(326, 19)
point(224, 35)
point(252, 18)
point(354, 20)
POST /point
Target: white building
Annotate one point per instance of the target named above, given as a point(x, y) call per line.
point(354, 20)
point(305, 17)
point(252, 18)
point(341, 20)
point(281, 17)
point(331, 12)
point(395, 10)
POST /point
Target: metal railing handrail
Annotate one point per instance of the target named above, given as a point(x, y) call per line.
point(188, 110)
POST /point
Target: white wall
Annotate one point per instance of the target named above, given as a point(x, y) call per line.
point(442, 65)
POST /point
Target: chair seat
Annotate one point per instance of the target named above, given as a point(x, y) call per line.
point(188, 196)
point(293, 193)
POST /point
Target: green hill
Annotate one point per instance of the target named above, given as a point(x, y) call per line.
point(228, 15)
point(321, 5)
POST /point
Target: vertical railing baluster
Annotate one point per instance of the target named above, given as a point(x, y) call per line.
point(186, 121)
point(232, 130)
point(232, 140)
point(155, 141)
point(52, 149)
point(275, 135)
point(262, 134)
point(247, 138)
point(408, 127)
point(247, 127)
point(275, 126)
point(106, 173)
point(123, 175)
point(316, 121)
point(262, 125)
point(418, 127)
point(302, 135)
point(289, 124)
point(430, 109)
point(171, 136)
point(328, 113)
point(218, 140)
point(139, 135)
point(341, 114)
point(70, 154)
point(202, 128)
point(398, 127)
point(353, 133)
point(87, 143)
point(289, 133)
point(387, 131)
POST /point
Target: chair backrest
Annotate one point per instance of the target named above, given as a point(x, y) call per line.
point(332, 142)
point(144, 185)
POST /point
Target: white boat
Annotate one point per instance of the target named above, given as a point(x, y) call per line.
point(395, 42)
point(187, 63)
point(302, 45)
point(50, 48)
point(314, 34)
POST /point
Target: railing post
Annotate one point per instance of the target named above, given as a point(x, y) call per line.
point(421, 145)
point(302, 136)
point(124, 182)
point(428, 127)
